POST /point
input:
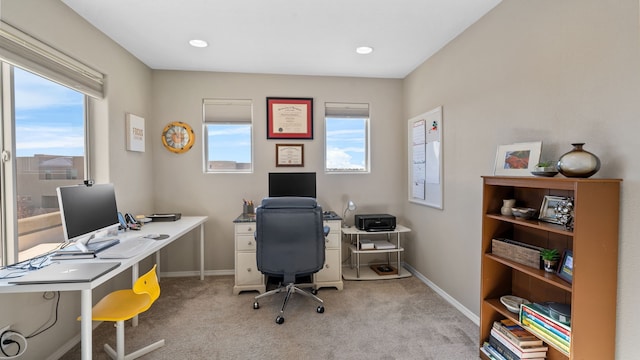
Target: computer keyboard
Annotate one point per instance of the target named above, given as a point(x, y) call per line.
point(126, 248)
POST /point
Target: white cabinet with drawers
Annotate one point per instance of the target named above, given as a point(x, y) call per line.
point(249, 278)
point(247, 275)
point(331, 273)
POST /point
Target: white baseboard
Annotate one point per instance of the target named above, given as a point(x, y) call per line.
point(455, 303)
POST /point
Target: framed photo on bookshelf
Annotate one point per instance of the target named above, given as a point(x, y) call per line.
point(565, 270)
point(517, 159)
point(548, 209)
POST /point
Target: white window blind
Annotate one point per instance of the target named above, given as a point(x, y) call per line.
point(346, 110)
point(227, 111)
point(22, 50)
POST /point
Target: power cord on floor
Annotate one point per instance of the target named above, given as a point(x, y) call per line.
point(12, 344)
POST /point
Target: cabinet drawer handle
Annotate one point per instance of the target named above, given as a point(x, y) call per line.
point(249, 243)
point(326, 266)
point(250, 229)
point(248, 269)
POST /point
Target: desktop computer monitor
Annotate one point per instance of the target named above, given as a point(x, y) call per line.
point(301, 184)
point(87, 211)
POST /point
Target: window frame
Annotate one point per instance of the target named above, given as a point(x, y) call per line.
point(348, 111)
point(10, 236)
point(228, 116)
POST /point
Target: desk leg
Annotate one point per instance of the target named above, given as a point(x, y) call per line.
point(135, 270)
point(357, 256)
point(201, 251)
point(85, 324)
point(158, 264)
point(399, 253)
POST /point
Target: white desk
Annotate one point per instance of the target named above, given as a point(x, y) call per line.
point(175, 229)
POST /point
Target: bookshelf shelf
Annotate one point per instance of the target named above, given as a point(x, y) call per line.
point(594, 242)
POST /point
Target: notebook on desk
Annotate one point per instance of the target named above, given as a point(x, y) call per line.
point(66, 272)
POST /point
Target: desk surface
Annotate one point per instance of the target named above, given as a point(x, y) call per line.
point(242, 218)
point(175, 229)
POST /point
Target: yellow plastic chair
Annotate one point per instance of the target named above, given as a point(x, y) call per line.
point(125, 304)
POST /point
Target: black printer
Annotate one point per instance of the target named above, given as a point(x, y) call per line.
point(375, 222)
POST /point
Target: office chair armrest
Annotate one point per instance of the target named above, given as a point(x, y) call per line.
point(326, 230)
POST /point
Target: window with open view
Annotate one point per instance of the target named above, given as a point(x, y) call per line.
point(346, 138)
point(227, 128)
point(44, 144)
point(49, 127)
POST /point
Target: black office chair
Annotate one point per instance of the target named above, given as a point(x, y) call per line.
point(290, 240)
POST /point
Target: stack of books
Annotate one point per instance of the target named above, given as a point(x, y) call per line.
point(509, 341)
point(536, 319)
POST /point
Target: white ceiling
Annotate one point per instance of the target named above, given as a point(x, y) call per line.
point(301, 37)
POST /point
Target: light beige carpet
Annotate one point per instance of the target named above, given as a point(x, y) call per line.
point(385, 319)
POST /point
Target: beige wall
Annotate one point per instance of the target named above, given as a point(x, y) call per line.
point(556, 71)
point(128, 90)
point(181, 185)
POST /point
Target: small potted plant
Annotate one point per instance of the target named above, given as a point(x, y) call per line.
point(550, 258)
point(545, 168)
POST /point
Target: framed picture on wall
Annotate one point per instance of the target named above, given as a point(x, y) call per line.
point(289, 118)
point(289, 155)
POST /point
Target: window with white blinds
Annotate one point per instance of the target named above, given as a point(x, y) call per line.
point(27, 52)
point(227, 125)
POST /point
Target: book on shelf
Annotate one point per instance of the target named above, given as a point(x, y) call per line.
point(517, 334)
point(503, 350)
point(366, 244)
point(548, 336)
point(491, 353)
point(541, 313)
point(383, 245)
point(514, 350)
point(548, 328)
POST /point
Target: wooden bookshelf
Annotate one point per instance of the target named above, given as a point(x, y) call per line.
point(594, 241)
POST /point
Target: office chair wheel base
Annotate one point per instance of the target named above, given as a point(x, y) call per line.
point(256, 306)
point(320, 309)
point(279, 320)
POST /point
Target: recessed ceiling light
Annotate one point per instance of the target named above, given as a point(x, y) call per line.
point(364, 50)
point(198, 43)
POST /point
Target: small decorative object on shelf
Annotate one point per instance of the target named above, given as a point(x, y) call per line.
point(507, 204)
point(545, 168)
point(512, 303)
point(550, 258)
point(564, 213)
point(523, 213)
point(578, 163)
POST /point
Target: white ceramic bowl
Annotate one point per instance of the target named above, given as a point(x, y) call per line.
point(523, 213)
point(513, 303)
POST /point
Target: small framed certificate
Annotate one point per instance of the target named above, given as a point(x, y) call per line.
point(289, 118)
point(289, 155)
